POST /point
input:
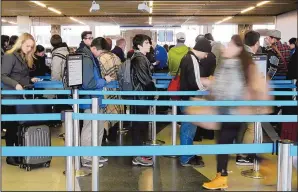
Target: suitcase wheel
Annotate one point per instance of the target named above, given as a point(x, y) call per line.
point(47, 164)
point(28, 168)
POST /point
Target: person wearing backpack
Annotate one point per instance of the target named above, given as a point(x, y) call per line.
point(92, 80)
point(141, 81)
point(59, 54)
point(135, 75)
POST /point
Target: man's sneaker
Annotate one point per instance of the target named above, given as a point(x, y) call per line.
point(89, 164)
point(245, 161)
point(103, 159)
point(143, 161)
point(196, 161)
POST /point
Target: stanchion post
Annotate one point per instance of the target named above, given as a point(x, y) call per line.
point(285, 165)
point(174, 126)
point(76, 123)
point(121, 129)
point(152, 129)
point(95, 141)
point(294, 89)
point(255, 172)
point(69, 173)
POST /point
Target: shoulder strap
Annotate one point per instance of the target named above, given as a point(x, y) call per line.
point(180, 63)
point(59, 55)
point(197, 73)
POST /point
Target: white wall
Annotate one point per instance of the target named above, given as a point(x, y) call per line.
point(287, 25)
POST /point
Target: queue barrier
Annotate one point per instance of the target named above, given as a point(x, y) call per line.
point(271, 86)
point(95, 151)
point(163, 150)
point(129, 93)
point(167, 80)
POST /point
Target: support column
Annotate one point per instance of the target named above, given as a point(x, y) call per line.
point(24, 24)
point(55, 30)
point(92, 28)
point(243, 28)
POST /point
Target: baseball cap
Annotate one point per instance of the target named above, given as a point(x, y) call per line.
point(180, 36)
point(274, 33)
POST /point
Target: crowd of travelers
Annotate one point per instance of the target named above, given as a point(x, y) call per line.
point(228, 71)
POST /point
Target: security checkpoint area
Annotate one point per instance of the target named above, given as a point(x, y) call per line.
point(94, 111)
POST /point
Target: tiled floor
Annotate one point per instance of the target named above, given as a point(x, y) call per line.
point(52, 179)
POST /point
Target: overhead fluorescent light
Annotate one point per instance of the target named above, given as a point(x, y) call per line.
point(39, 3)
point(151, 10)
point(12, 22)
point(77, 20)
point(262, 3)
point(150, 20)
point(150, 3)
point(54, 10)
point(225, 19)
point(248, 9)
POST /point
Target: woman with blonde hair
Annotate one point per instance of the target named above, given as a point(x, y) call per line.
point(15, 75)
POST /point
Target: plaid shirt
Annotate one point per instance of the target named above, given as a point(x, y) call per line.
point(284, 49)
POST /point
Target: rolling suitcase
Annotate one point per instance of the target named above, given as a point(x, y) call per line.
point(37, 135)
point(33, 134)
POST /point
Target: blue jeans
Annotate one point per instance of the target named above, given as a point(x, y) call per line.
point(187, 134)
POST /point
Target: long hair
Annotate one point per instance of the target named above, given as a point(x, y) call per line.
point(246, 59)
point(18, 46)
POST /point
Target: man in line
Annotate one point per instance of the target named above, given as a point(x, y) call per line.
point(119, 49)
point(92, 80)
point(194, 66)
point(177, 53)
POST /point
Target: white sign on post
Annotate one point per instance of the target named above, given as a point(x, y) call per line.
point(75, 70)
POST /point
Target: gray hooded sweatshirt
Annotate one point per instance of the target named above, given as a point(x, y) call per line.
point(58, 63)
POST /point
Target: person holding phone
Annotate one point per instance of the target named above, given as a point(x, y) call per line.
point(15, 75)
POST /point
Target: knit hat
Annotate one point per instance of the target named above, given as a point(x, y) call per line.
point(203, 45)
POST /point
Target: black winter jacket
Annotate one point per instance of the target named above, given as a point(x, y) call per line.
point(141, 75)
point(292, 66)
point(188, 70)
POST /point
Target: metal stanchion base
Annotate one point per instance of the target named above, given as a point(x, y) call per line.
point(157, 142)
point(82, 173)
point(252, 174)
